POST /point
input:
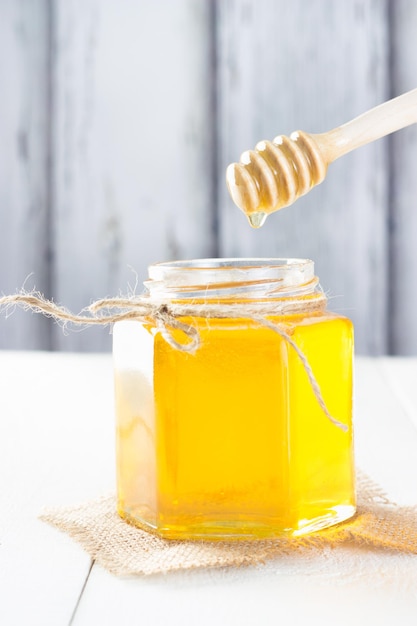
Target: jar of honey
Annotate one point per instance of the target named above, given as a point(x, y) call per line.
point(230, 441)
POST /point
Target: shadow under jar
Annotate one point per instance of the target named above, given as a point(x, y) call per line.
point(230, 442)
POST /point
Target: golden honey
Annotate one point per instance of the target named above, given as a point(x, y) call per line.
point(231, 441)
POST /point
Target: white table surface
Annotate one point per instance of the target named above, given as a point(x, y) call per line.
point(56, 448)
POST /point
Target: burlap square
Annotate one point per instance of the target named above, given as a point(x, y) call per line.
point(123, 549)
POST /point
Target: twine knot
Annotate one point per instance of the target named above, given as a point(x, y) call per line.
point(167, 324)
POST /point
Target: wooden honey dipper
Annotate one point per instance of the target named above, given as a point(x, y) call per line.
point(276, 173)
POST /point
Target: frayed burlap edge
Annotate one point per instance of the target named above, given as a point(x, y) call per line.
point(123, 549)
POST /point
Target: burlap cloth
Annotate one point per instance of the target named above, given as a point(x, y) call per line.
point(123, 549)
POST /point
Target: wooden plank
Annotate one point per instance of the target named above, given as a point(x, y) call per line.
point(402, 375)
point(24, 201)
point(266, 595)
point(403, 257)
point(385, 433)
point(312, 66)
point(133, 141)
point(56, 449)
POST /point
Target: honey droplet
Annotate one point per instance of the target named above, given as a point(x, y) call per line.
point(257, 219)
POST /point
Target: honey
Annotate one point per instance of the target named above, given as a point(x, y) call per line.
point(230, 441)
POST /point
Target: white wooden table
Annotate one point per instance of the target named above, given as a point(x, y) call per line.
point(56, 448)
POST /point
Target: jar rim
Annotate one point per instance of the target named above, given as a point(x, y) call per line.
point(231, 262)
point(232, 277)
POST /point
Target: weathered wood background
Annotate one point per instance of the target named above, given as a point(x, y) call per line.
point(117, 120)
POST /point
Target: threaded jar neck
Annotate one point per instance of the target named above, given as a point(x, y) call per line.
point(248, 279)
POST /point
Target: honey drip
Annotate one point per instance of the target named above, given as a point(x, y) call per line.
point(257, 219)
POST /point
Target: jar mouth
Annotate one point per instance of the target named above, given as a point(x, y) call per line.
point(246, 278)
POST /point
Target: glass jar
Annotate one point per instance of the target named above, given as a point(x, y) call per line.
point(230, 441)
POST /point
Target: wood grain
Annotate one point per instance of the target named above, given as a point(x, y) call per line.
point(403, 210)
point(132, 146)
point(312, 66)
point(117, 121)
point(24, 199)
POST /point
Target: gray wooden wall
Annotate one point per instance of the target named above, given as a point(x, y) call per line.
point(117, 120)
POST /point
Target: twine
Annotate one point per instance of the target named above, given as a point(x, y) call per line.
point(166, 316)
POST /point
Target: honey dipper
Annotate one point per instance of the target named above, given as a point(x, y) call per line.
point(276, 173)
